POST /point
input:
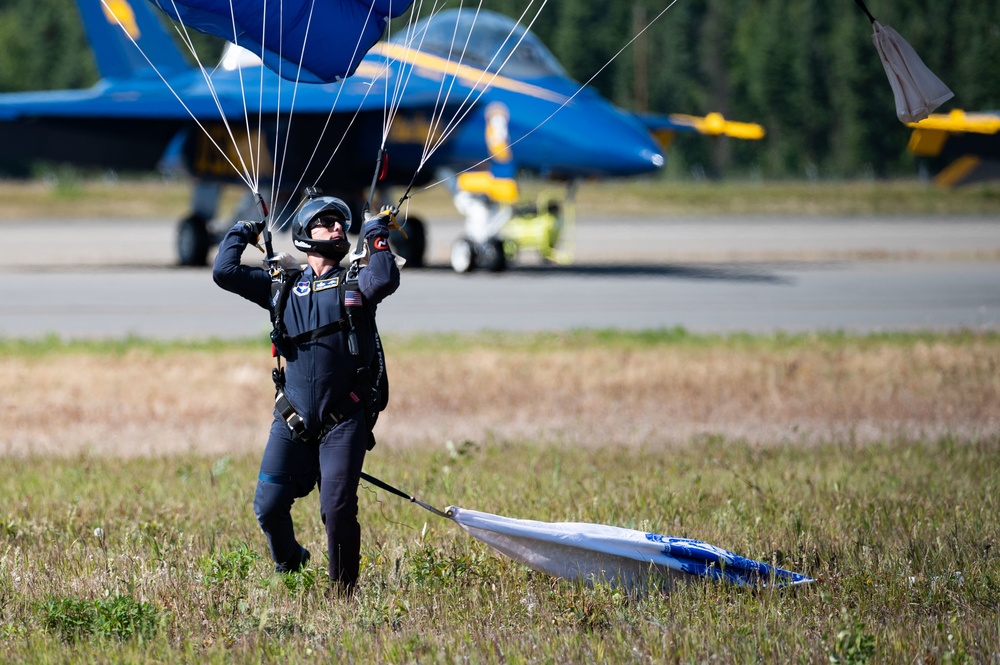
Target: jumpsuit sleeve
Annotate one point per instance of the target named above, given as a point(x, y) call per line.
point(254, 284)
point(380, 278)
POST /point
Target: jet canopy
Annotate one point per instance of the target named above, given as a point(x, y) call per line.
point(494, 39)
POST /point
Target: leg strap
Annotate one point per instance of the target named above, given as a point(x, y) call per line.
point(289, 415)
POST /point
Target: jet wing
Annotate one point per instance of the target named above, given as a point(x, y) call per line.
point(96, 127)
point(665, 127)
point(129, 124)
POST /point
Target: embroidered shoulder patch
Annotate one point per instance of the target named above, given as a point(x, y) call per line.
point(301, 288)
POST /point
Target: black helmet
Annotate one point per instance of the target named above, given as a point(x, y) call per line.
point(312, 209)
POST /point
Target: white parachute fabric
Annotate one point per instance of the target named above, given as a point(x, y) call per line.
point(618, 556)
point(916, 89)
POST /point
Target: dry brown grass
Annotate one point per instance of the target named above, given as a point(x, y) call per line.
point(147, 403)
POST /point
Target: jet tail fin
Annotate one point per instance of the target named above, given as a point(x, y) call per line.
point(123, 34)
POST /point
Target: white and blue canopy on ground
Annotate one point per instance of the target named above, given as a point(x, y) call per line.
point(618, 556)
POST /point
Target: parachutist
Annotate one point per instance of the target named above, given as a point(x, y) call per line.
point(332, 387)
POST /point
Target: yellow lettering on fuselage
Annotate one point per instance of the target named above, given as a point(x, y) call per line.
point(209, 161)
point(119, 12)
point(412, 130)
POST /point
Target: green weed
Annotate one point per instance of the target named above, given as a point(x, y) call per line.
point(303, 581)
point(122, 618)
point(228, 567)
point(70, 618)
point(854, 645)
point(116, 617)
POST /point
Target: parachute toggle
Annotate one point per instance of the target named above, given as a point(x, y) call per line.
point(327, 37)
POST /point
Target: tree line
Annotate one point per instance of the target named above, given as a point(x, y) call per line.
point(807, 71)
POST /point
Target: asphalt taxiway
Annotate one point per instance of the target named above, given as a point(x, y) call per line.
point(110, 279)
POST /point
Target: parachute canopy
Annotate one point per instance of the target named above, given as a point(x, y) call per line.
point(625, 557)
point(327, 37)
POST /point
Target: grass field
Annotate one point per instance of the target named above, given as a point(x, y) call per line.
point(73, 196)
point(870, 462)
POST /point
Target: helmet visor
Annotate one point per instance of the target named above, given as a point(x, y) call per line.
point(326, 221)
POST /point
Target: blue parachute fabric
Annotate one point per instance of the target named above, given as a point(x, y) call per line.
point(698, 558)
point(330, 44)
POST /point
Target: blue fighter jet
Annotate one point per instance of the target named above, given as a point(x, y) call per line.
point(151, 106)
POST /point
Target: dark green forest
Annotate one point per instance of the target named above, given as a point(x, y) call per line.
point(807, 71)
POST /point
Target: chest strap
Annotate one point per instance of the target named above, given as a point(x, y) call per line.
point(340, 325)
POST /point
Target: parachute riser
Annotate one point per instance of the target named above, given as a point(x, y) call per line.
point(376, 176)
point(403, 495)
point(380, 166)
point(406, 194)
point(266, 234)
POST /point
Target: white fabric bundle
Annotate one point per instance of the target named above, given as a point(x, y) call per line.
point(915, 87)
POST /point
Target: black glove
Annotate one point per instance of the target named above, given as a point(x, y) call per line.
point(253, 230)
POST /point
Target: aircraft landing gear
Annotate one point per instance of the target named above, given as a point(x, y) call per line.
point(467, 255)
point(193, 241)
point(412, 246)
point(491, 256)
point(463, 255)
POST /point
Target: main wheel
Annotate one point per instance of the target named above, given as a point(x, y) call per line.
point(193, 241)
point(463, 255)
point(413, 246)
point(491, 256)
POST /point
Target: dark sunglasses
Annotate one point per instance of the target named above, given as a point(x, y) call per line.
point(326, 222)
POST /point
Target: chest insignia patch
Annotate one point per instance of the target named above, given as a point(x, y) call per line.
point(324, 284)
point(301, 288)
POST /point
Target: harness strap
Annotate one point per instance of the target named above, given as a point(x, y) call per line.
point(355, 318)
point(281, 286)
point(337, 326)
point(289, 414)
point(338, 412)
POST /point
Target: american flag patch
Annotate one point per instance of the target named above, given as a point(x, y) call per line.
point(352, 298)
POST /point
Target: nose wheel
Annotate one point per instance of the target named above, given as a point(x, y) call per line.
point(467, 255)
point(463, 255)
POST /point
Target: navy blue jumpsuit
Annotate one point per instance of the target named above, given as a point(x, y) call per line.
point(318, 374)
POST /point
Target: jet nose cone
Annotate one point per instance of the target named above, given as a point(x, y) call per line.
point(632, 163)
point(580, 135)
point(616, 146)
point(592, 138)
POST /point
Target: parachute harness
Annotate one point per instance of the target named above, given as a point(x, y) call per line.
point(370, 386)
